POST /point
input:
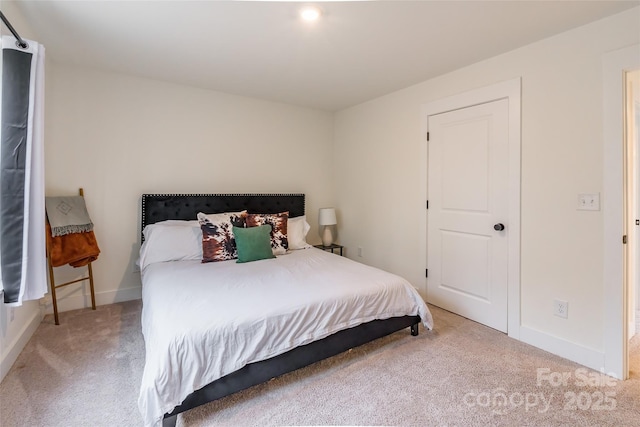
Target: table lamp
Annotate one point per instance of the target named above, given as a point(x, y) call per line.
point(327, 218)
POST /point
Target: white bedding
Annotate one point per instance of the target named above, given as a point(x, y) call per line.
point(203, 321)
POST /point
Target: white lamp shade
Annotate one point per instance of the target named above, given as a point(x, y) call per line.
point(327, 216)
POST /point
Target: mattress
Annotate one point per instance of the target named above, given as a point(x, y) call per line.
point(203, 321)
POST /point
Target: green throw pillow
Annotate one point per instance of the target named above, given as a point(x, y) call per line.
point(253, 243)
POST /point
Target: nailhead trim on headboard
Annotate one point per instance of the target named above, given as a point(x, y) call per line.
point(161, 207)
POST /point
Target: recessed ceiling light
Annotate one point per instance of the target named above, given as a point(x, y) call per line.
point(310, 14)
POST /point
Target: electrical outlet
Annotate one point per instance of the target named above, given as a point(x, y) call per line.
point(561, 308)
point(360, 252)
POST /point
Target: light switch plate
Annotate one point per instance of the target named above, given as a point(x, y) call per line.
point(589, 202)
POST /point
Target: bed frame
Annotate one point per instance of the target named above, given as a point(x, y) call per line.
point(160, 207)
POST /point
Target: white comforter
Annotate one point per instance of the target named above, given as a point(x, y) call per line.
point(203, 321)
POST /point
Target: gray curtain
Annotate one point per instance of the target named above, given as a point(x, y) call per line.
point(22, 238)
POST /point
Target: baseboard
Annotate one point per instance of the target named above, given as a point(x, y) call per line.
point(575, 352)
point(12, 351)
point(83, 300)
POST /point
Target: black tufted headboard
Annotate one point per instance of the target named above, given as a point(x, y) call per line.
point(160, 207)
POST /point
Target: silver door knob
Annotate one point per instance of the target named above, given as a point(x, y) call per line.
point(498, 227)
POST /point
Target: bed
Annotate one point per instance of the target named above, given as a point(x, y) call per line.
point(212, 329)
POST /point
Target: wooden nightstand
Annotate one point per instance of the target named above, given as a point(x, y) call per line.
point(331, 248)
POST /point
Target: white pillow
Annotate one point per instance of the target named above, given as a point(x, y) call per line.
point(297, 229)
point(171, 241)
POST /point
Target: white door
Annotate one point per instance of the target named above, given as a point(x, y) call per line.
point(467, 242)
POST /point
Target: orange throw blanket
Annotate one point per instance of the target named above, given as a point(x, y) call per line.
point(75, 249)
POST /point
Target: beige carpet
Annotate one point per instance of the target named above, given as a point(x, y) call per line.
point(87, 371)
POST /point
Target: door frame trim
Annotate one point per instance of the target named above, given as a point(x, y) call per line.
point(614, 65)
point(510, 90)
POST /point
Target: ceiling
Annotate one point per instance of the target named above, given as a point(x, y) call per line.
point(357, 51)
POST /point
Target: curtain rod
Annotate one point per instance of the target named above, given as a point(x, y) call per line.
point(21, 43)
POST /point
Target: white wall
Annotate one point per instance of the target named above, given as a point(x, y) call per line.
point(119, 136)
point(17, 324)
point(378, 165)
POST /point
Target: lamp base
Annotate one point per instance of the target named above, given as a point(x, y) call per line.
point(327, 236)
